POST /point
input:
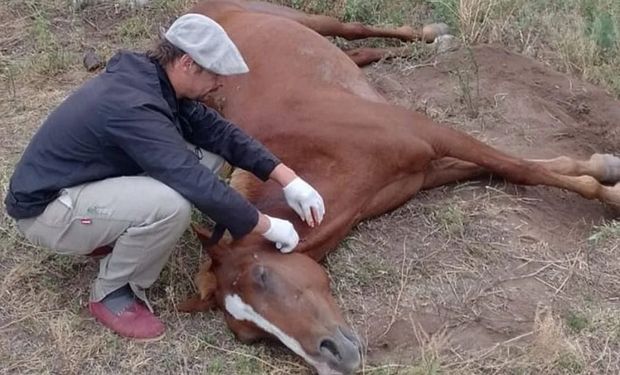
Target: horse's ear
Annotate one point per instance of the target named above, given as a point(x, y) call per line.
point(203, 234)
point(206, 282)
point(212, 242)
point(196, 304)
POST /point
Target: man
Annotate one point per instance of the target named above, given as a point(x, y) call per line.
point(111, 166)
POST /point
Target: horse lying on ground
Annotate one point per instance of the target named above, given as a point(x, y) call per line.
point(311, 105)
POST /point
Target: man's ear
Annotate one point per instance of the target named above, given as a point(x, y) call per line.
point(186, 62)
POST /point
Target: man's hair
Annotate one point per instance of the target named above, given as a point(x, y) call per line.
point(164, 52)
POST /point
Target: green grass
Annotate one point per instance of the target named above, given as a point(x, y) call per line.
point(576, 321)
point(136, 27)
point(451, 219)
point(569, 364)
point(576, 36)
point(375, 12)
point(370, 11)
point(605, 233)
point(51, 58)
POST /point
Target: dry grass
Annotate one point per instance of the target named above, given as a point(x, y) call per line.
point(459, 281)
point(472, 17)
point(469, 273)
point(577, 36)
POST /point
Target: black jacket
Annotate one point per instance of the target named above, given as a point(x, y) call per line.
point(127, 121)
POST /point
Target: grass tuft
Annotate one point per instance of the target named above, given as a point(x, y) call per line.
point(473, 18)
point(137, 27)
point(50, 58)
point(577, 321)
point(605, 233)
point(577, 36)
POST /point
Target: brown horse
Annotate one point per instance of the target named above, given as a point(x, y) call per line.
point(312, 106)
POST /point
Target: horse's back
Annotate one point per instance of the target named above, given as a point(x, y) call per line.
point(284, 57)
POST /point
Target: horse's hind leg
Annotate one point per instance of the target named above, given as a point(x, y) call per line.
point(448, 142)
point(448, 170)
point(330, 26)
point(365, 56)
point(603, 167)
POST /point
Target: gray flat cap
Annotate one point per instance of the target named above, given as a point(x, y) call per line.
point(206, 42)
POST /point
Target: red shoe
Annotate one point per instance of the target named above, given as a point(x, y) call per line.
point(136, 321)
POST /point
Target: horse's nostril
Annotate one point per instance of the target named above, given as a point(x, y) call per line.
point(349, 335)
point(330, 346)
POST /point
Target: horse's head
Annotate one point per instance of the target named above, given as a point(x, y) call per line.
point(265, 294)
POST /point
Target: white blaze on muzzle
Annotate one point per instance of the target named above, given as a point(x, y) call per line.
point(242, 311)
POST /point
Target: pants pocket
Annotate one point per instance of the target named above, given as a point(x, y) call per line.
point(46, 229)
point(57, 213)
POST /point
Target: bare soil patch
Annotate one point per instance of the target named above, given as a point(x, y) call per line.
point(475, 263)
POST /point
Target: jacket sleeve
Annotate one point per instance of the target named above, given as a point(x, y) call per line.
point(153, 142)
point(213, 133)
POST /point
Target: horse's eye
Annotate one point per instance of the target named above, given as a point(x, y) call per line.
point(260, 275)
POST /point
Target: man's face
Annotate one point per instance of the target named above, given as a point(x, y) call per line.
point(201, 83)
point(192, 81)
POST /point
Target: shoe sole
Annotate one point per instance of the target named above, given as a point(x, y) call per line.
point(134, 339)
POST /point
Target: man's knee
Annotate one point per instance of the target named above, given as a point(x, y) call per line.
point(173, 204)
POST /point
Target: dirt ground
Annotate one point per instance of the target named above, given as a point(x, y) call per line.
point(477, 277)
point(481, 280)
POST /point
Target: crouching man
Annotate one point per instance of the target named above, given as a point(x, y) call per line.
point(111, 166)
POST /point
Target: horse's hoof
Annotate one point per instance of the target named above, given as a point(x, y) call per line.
point(613, 197)
point(609, 164)
point(446, 43)
point(434, 31)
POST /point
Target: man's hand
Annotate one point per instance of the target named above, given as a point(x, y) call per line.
point(282, 233)
point(305, 200)
point(300, 196)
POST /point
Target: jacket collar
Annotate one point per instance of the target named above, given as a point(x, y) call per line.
point(167, 89)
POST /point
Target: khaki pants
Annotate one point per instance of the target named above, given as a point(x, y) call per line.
point(141, 217)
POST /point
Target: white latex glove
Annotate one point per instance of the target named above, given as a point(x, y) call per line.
point(304, 200)
point(282, 233)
